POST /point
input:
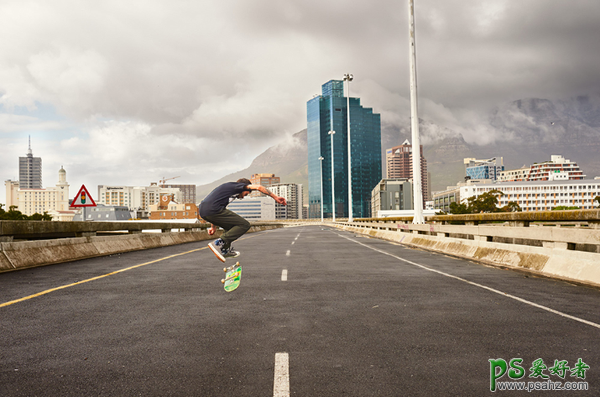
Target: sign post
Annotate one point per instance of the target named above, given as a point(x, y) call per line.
point(83, 199)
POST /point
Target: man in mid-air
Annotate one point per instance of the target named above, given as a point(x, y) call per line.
point(214, 210)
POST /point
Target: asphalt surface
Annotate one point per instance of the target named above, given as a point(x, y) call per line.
point(356, 316)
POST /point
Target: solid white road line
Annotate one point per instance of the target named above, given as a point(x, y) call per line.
point(281, 383)
point(480, 286)
point(284, 275)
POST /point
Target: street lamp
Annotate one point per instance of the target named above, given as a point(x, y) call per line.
point(321, 158)
point(332, 180)
point(414, 118)
point(348, 78)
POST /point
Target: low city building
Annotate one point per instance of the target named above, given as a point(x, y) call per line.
point(391, 194)
point(521, 174)
point(484, 169)
point(168, 209)
point(188, 192)
point(540, 195)
point(32, 201)
point(557, 169)
point(266, 180)
point(254, 208)
point(102, 213)
point(137, 199)
point(443, 199)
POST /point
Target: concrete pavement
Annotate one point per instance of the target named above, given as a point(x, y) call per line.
point(356, 317)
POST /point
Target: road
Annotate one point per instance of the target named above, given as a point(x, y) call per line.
point(319, 312)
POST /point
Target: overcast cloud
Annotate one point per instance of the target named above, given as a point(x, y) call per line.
point(127, 92)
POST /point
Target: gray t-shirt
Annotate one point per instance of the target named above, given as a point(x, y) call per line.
point(220, 197)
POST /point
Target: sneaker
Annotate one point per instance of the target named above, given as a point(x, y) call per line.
point(217, 248)
point(230, 253)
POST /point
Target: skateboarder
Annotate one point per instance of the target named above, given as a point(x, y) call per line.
point(213, 209)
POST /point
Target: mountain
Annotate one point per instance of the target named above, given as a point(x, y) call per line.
point(525, 131)
point(288, 160)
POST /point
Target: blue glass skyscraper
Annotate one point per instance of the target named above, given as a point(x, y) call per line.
point(328, 112)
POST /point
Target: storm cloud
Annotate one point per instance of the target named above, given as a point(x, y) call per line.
point(127, 92)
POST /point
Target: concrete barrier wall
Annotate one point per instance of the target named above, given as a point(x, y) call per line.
point(26, 254)
point(583, 267)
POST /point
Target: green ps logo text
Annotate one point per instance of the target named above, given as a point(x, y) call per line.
point(499, 367)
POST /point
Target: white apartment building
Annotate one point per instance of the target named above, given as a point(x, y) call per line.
point(254, 208)
point(540, 195)
point(517, 175)
point(31, 201)
point(557, 169)
point(136, 198)
point(12, 194)
point(293, 194)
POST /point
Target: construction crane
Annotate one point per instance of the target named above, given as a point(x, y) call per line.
point(162, 181)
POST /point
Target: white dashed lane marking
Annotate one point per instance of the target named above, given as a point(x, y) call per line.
point(281, 383)
point(284, 275)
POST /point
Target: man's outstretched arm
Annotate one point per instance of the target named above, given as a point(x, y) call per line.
point(266, 191)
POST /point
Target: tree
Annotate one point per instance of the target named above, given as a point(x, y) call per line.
point(486, 202)
point(14, 215)
point(597, 198)
point(458, 208)
point(512, 206)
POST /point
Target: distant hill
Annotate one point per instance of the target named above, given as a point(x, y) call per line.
point(288, 160)
point(529, 131)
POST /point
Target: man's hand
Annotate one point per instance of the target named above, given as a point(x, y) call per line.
point(212, 230)
point(266, 191)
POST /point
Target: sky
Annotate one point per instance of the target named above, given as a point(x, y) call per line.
point(129, 92)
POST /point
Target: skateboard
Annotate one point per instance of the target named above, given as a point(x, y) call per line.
point(233, 276)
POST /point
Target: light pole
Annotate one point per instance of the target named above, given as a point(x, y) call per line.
point(332, 180)
point(414, 120)
point(348, 78)
point(321, 158)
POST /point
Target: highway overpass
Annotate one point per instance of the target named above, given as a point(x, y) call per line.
point(320, 312)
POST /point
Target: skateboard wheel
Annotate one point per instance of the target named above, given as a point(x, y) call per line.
point(223, 281)
point(224, 269)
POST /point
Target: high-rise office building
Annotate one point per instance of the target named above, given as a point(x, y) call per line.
point(328, 112)
point(399, 165)
point(293, 194)
point(30, 170)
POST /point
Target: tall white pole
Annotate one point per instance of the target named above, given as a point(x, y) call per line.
point(414, 119)
point(348, 78)
point(321, 158)
point(332, 178)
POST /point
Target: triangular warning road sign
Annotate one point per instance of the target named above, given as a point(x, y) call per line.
point(83, 199)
